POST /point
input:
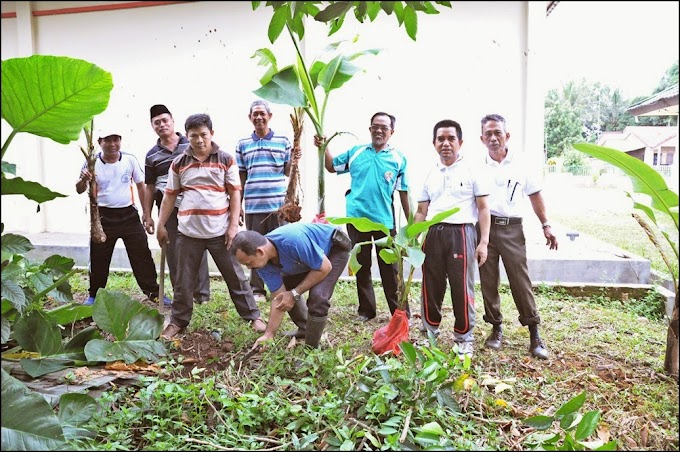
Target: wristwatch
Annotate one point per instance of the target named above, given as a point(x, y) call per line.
point(545, 225)
point(296, 295)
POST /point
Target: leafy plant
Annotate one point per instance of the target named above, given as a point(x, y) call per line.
point(574, 429)
point(51, 97)
point(404, 247)
point(654, 197)
point(31, 424)
point(134, 328)
point(296, 85)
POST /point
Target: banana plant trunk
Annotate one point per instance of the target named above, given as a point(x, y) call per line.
point(96, 230)
point(671, 361)
point(290, 211)
point(322, 181)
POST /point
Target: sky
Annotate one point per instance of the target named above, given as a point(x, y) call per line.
point(625, 45)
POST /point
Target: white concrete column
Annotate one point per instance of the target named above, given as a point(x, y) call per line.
point(534, 86)
point(30, 162)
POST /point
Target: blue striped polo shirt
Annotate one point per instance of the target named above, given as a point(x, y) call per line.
point(375, 176)
point(263, 159)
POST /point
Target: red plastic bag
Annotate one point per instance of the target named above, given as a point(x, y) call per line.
point(388, 337)
point(320, 218)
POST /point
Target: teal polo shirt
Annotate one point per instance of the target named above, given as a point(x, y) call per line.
point(375, 177)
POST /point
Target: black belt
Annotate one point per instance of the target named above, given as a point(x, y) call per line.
point(504, 221)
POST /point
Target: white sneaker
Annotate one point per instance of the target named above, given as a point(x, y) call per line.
point(465, 348)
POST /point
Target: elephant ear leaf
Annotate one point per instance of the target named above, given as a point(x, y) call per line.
point(53, 96)
point(31, 424)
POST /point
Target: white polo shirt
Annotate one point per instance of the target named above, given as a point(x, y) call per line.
point(511, 181)
point(114, 180)
point(452, 186)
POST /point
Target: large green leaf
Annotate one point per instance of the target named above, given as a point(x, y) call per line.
point(362, 224)
point(13, 293)
point(73, 355)
point(113, 312)
point(35, 333)
point(5, 329)
point(279, 19)
point(68, 314)
point(571, 406)
point(75, 410)
point(128, 351)
point(644, 178)
point(283, 88)
point(77, 344)
point(413, 230)
point(53, 96)
point(43, 366)
point(134, 326)
point(411, 22)
point(333, 11)
point(59, 264)
point(28, 422)
point(336, 73)
point(266, 58)
point(587, 425)
point(16, 244)
point(32, 190)
point(10, 168)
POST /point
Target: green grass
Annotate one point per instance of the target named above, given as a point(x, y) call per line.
point(341, 396)
point(605, 212)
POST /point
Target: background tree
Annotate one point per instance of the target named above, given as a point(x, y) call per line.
point(582, 110)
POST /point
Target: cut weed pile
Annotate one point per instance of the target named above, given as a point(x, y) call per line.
point(344, 397)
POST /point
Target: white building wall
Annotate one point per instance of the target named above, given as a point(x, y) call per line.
point(473, 59)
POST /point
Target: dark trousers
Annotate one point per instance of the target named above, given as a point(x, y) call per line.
point(450, 256)
point(508, 243)
point(191, 252)
point(388, 274)
point(262, 223)
point(201, 288)
point(123, 223)
point(318, 299)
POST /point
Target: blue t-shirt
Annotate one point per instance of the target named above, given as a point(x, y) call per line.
point(301, 248)
point(375, 176)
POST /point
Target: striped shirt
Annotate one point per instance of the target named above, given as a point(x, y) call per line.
point(375, 176)
point(204, 210)
point(263, 160)
point(114, 180)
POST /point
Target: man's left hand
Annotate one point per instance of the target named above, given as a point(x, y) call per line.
point(229, 236)
point(550, 239)
point(284, 301)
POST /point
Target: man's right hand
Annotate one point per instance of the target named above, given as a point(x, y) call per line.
point(319, 140)
point(262, 339)
point(162, 235)
point(148, 223)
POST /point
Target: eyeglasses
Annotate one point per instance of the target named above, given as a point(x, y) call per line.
point(379, 129)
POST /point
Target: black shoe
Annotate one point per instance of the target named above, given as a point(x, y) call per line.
point(537, 348)
point(495, 340)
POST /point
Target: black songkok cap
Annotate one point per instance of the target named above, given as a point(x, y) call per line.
point(159, 110)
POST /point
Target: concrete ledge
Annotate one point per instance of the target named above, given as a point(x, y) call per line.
point(584, 260)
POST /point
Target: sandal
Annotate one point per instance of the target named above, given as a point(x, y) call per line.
point(171, 331)
point(258, 325)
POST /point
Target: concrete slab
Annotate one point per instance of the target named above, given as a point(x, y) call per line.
point(584, 259)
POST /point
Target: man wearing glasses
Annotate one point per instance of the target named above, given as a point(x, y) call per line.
point(376, 171)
